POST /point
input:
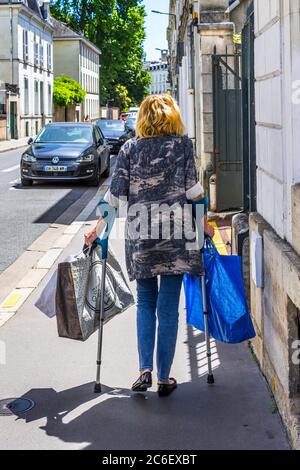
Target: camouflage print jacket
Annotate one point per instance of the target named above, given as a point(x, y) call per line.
point(156, 177)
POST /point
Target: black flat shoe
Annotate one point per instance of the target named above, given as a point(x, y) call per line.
point(143, 383)
point(165, 389)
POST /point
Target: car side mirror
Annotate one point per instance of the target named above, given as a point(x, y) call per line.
point(30, 140)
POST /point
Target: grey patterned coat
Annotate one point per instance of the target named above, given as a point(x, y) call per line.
point(150, 172)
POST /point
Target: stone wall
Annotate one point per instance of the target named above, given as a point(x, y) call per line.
point(240, 227)
point(275, 310)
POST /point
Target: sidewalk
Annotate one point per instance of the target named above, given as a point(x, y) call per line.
point(236, 413)
point(6, 145)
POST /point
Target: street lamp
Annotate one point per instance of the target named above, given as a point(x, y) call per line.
point(165, 13)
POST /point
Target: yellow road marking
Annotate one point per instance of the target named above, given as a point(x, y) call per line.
point(11, 300)
point(218, 241)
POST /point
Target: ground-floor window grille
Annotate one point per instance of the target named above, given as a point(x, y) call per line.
point(36, 98)
point(26, 96)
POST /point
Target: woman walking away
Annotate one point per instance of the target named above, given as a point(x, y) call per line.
point(155, 175)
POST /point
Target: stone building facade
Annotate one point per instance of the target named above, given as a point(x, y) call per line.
point(275, 305)
point(201, 27)
point(26, 67)
point(159, 77)
point(77, 57)
point(265, 35)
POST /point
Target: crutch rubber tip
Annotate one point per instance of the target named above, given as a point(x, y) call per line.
point(210, 379)
point(97, 388)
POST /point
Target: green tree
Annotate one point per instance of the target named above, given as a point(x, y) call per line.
point(67, 92)
point(117, 28)
point(122, 99)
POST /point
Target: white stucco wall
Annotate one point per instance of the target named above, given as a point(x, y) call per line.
point(277, 71)
point(39, 74)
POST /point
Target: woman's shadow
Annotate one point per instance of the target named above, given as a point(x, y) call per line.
point(120, 419)
point(227, 415)
point(114, 419)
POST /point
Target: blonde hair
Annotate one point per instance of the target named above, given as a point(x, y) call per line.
point(159, 115)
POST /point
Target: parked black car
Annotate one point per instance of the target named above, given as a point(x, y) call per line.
point(114, 131)
point(65, 152)
point(130, 126)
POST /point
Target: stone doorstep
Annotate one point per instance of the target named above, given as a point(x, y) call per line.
point(220, 216)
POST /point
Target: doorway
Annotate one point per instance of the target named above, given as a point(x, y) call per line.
point(12, 119)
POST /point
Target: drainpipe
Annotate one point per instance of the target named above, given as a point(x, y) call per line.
point(11, 41)
point(8, 133)
point(191, 72)
point(233, 6)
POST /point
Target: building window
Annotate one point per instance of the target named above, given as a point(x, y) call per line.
point(25, 45)
point(36, 97)
point(27, 129)
point(2, 104)
point(26, 96)
point(36, 51)
point(49, 57)
point(36, 127)
point(41, 55)
point(49, 100)
point(42, 98)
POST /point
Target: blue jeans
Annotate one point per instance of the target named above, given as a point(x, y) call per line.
point(163, 303)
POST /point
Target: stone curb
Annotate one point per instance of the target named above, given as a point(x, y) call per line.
point(14, 147)
point(48, 251)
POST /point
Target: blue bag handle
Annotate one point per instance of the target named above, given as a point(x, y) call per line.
point(210, 246)
point(108, 213)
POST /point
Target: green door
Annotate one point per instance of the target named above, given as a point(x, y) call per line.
point(12, 119)
point(228, 155)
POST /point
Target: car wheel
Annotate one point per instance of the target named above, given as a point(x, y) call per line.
point(97, 180)
point(107, 171)
point(26, 182)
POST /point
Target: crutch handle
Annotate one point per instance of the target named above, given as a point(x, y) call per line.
point(108, 213)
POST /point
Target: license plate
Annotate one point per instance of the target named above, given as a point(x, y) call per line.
point(55, 168)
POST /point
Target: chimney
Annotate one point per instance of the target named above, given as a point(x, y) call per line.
point(45, 9)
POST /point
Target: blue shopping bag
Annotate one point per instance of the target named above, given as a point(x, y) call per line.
point(229, 319)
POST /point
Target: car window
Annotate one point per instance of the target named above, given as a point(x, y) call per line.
point(65, 134)
point(111, 125)
point(131, 123)
point(98, 134)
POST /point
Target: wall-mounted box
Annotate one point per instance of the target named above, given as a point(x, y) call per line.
point(257, 259)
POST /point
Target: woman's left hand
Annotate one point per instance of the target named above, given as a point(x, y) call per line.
point(90, 237)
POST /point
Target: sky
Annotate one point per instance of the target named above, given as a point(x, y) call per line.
point(156, 28)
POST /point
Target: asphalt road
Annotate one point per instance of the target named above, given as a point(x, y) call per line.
point(25, 213)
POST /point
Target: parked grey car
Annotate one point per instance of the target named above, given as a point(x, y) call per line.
point(66, 152)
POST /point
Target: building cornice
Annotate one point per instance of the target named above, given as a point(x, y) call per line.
point(29, 13)
point(78, 39)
